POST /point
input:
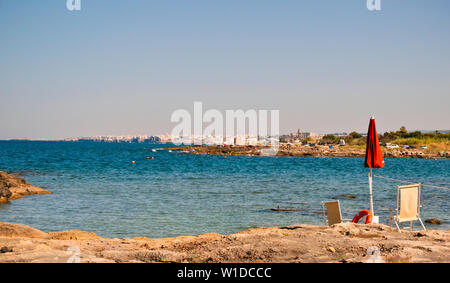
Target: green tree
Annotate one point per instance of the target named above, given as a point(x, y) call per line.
point(330, 138)
point(355, 135)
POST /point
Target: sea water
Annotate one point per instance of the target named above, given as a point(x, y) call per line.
point(96, 187)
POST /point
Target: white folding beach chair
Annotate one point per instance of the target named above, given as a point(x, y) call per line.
point(408, 205)
point(333, 212)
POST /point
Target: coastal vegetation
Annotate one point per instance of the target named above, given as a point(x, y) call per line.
point(402, 136)
point(437, 140)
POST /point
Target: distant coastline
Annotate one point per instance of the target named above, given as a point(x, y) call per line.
point(117, 139)
point(298, 136)
point(433, 151)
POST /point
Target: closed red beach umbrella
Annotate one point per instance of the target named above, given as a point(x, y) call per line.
point(374, 157)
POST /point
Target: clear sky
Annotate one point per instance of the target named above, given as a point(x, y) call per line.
point(123, 66)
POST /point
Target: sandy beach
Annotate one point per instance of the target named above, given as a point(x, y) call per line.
point(340, 243)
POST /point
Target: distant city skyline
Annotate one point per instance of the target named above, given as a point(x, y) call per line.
point(165, 137)
point(122, 67)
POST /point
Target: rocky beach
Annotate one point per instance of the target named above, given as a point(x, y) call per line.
point(313, 151)
point(340, 243)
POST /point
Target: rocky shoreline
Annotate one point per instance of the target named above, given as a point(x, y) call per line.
point(13, 187)
point(300, 243)
point(302, 151)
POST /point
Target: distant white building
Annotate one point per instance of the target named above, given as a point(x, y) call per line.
point(239, 140)
point(299, 135)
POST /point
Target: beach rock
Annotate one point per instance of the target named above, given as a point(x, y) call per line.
point(5, 193)
point(13, 187)
point(345, 196)
point(73, 235)
point(17, 230)
point(434, 221)
point(316, 151)
point(331, 250)
point(444, 154)
point(4, 250)
point(419, 235)
point(287, 209)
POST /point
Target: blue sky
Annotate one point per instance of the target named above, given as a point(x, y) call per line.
point(122, 67)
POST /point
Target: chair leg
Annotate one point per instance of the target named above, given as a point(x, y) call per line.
point(398, 227)
point(421, 223)
point(324, 218)
point(390, 217)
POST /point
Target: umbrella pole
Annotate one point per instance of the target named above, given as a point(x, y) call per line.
point(370, 191)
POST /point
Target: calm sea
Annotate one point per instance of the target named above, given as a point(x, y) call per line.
point(96, 188)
